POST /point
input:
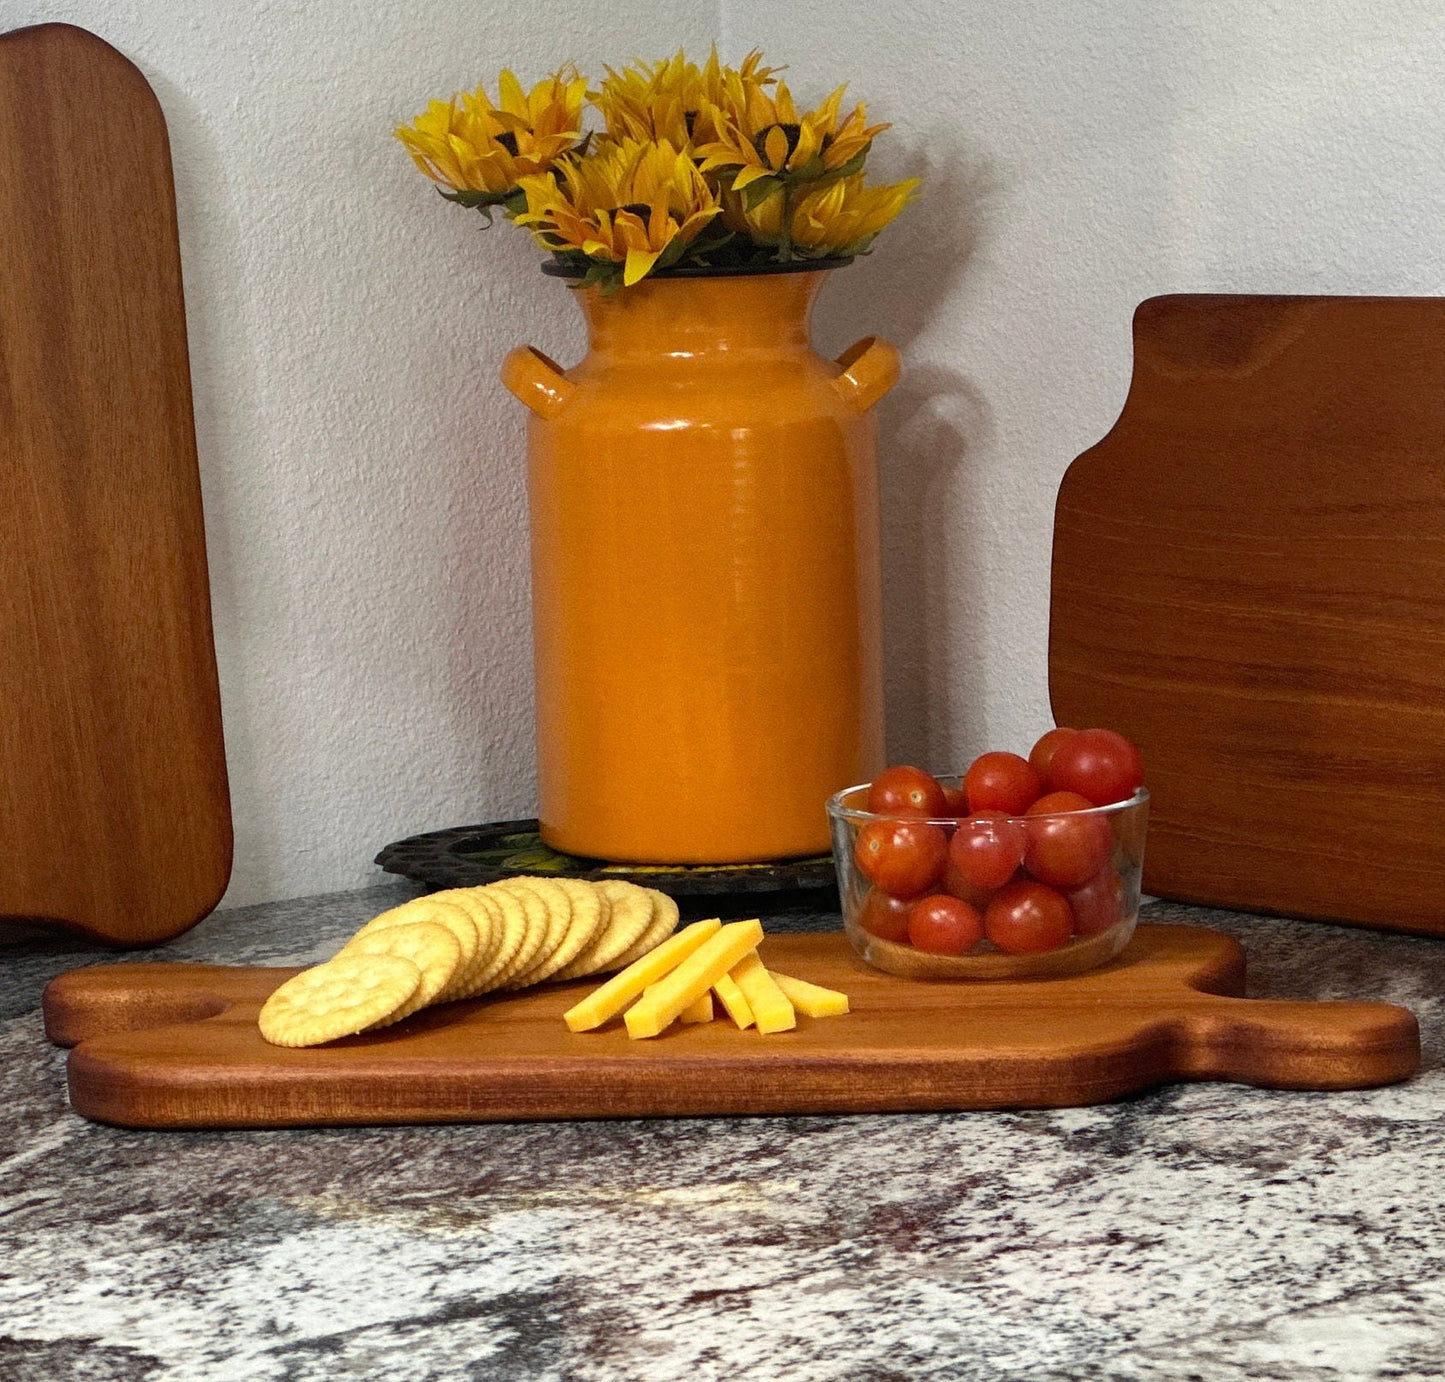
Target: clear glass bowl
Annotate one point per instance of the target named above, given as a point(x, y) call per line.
point(1103, 915)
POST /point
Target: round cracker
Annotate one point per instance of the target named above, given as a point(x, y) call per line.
point(537, 925)
point(446, 909)
point(336, 999)
point(583, 927)
point(427, 944)
point(542, 900)
point(517, 933)
point(629, 914)
point(480, 913)
point(493, 936)
point(663, 924)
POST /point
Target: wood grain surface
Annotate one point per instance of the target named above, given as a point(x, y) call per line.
point(177, 1046)
point(114, 813)
point(1249, 581)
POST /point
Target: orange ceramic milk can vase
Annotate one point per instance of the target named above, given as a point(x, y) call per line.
point(705, 576)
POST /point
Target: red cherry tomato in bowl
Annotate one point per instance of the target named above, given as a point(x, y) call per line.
point(957, 801)
point(1001, 782)
point(986, 849)
point(1098, 904)
point(1098, 764)
point(1041, 756)
point(956, 885)
point(1028, 918)
point(942, 925)
point(906, 791)
point(904, 858)
point(1067, 842)
point(884, 916)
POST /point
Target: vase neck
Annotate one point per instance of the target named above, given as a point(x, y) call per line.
point(703, 316)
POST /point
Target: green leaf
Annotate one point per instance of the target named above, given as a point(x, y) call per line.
point(756, 193)
point(477, 200)
point(811, 171)
point(671, 254)
point(853, 165)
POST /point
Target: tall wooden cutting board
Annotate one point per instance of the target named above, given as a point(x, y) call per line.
point(114, 813)
point(1249, 579)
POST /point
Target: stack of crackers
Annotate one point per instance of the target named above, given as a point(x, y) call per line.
point(465, 942)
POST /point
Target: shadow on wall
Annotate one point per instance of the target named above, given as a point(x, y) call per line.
point(932, 580)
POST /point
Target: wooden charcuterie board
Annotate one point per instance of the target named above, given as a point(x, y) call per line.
point(1249, 581)
point(114, 813)
point(176, 1046)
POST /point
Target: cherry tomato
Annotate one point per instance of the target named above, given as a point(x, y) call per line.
point(885, 916)
point(987, 848)
point(1098, 904)
point(1001, 782)
point(1041, 756)
point(956, 885)
point(1027, 919)
point(943, 925)
point(905, 791)
point(1098, 764)
point(905, 858)
point(957, 801)
point(1065, 850)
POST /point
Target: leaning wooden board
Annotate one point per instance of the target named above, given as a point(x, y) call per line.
point(176, 1046)
point(114, 813)
point(1249, 580)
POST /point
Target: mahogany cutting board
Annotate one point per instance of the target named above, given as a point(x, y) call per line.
point(114, 813)
point(1249, 581)
point(176, 1046)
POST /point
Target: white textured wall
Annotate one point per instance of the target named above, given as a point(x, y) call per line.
point(363, 469)
point(1083, 155)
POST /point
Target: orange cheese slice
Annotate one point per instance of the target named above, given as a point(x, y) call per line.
point(812, 1000)
point(770, 1007)
point(731, 997)
point(621, 989)
point(671, 996)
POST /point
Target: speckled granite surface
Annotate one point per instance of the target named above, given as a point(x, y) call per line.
point(1196, 1232)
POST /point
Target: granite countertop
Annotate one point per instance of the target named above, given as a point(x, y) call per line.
point(1195, 1232)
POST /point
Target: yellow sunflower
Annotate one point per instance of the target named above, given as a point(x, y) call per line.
point(835, 219)
point(672, 99)
point(481, 151)
point(761, 135)
point(628, 208)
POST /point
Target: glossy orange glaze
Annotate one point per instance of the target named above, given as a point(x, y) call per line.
point(704, 572)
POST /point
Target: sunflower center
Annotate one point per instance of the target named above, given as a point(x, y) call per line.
point(790, 131)
point(508, 141)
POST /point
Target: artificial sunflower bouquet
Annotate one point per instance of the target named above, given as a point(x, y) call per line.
point(693, 169)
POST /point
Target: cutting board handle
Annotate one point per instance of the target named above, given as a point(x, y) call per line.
point(1284, 1045)
point(100, 1000)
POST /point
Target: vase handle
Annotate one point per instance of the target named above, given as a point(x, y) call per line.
point(870, 369)
point(537, 380)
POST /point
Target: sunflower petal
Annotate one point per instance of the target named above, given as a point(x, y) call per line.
point(748, 175)
point(639, 263)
